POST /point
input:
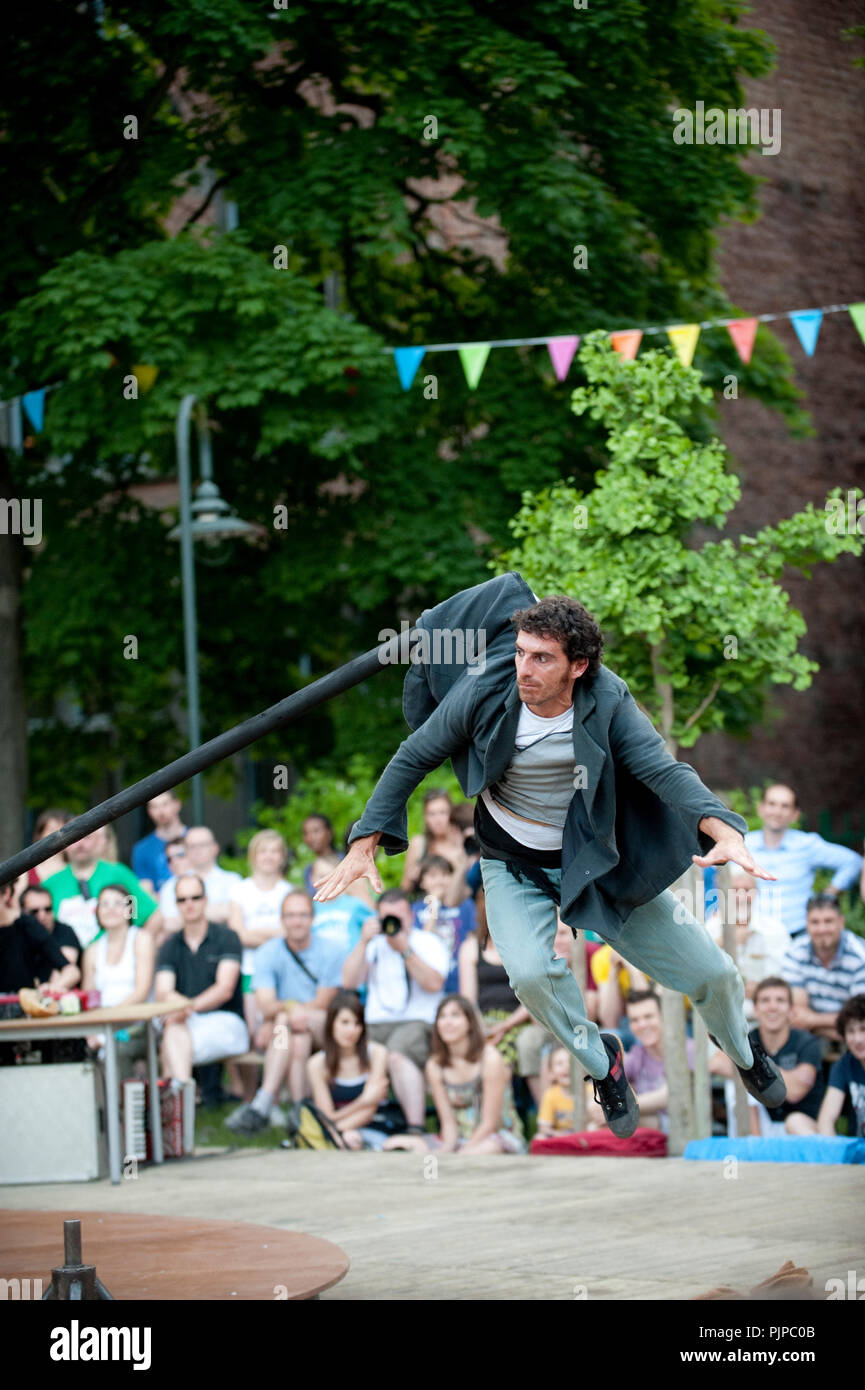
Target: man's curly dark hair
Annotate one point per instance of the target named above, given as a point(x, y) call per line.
point(565, 621)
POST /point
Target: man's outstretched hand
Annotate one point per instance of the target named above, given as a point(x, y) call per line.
point(729, 847)
point(358, 863)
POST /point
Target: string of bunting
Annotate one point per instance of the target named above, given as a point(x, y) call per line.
point(562, 348)
point(626, 342)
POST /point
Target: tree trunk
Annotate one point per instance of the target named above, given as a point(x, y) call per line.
point(664, 692)
point(13, 716)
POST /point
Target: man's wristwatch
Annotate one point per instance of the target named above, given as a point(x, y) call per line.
point(409, 951)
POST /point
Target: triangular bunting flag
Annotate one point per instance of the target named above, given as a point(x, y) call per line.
point(627, 342)
point(857, 314)
point(34, 404)
point(743, 332)
point(474, 358)
point(807, 326)
point(562, 351)
point(408, 359)
point(145, 375)
point(684, 339)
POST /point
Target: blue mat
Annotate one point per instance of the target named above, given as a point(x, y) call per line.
point(787, 1149)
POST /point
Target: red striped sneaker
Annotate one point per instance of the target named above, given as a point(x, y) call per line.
point(614, 1094)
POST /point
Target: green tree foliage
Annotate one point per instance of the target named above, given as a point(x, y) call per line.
point(699, 631)
point(337, 131)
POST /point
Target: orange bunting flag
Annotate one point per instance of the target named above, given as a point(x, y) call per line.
point(743, 333)
point(627, 342)
point(684, 339)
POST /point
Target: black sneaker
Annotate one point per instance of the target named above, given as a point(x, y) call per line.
point(762, 1080)
point(613, 1093)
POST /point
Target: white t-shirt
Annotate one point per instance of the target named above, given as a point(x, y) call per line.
point(391, 993)
point(552, 768)
point(218, 884)
point(261, 910)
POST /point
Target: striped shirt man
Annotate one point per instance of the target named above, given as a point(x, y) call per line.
point(828, 986)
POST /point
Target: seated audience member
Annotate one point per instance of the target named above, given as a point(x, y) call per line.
point(197, 853)
point(463, 816)
point(614, 979)
point(36, 902)
point(340, 920)
point(824, 969)
point(644, 1063)
point(758, 954)
point(119, 963)
point(318, 835)
point(348, 1079)
point(29, 953)
point(451, 924)
point(296, 977)
point(556, 1110)
point(199, 968)
point(794, 856)
point(794, 1051)
point(75, 889)
point(442, 837)
point(470, 1086)
point(846, 1086)
point(484, 981)
point(404, 970)
point(46, 824)
point(254, 908)
point(148, 855)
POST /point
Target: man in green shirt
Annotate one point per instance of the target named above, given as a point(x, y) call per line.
point(74, 889)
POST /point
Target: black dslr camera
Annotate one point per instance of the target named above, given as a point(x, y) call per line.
point(391, 925)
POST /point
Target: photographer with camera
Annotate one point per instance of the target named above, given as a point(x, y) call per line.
point(404, 970)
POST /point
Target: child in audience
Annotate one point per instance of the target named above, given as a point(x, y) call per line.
point(556, 1112)
point(847, 1077)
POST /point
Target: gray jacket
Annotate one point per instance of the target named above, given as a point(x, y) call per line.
point(642, 805)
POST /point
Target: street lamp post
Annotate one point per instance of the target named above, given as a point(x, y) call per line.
point(209, 517)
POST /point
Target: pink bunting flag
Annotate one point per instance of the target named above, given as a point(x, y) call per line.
point(743, 333)
point(562, 351)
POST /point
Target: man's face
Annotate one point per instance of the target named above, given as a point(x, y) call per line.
point(41, 906)
point(297, 917)
point(191, 900)
point(86, 850)
point(163, 810)
point(201, 849)
point(772, 1008)
point(778, 809)
point(316, 835)
point(824, 928)
point(544, 674)
point(645, 1021)
point(400, 909)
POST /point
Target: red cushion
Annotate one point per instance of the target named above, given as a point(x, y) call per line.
point(643, 1143)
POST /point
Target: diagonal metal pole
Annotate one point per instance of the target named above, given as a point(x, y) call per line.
point(395, 650)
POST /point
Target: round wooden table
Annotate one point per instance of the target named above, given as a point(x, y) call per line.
point(164, 1257)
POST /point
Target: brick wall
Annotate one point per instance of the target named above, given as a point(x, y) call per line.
point(807, 250)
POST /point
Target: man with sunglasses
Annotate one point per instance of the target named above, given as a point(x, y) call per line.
point(37, 902)
point(199, 966)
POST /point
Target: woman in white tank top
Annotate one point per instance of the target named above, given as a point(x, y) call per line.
point(119, 963)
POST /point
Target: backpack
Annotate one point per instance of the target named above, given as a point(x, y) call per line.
point(308, 1128)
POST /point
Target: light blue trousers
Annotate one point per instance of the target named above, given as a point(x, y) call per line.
point(680, 955)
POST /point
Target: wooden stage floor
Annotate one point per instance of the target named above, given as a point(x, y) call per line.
point(508, 1228)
